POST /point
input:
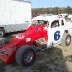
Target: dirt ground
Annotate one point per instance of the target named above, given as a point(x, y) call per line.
point(57, 59)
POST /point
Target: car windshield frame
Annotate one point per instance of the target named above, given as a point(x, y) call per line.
point(38, 22)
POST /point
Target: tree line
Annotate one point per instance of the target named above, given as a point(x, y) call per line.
point(54, 10)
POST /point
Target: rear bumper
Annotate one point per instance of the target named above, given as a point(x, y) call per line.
point(7, 55)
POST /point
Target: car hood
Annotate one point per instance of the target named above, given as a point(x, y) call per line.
point(29, 32)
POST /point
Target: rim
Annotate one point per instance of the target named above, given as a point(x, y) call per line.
point(68, 40)
point(1, 33)
point(28, 57)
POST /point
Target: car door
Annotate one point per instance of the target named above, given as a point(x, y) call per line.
point(55, 32)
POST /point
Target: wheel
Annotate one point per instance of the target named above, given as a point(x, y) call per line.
point(25, 56)
point(66, 40)
point(2, 32)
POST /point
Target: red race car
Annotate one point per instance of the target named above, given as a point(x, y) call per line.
point(22, 47)
point(45, 32)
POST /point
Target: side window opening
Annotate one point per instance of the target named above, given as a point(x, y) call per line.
point(62, 22)
point(45, 22)
point(55, 24)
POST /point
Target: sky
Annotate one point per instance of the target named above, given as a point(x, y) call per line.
point(50, 3)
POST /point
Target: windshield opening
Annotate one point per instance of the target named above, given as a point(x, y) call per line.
point(38, 22)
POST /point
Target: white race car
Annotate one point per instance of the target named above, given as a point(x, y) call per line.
point(57, 28)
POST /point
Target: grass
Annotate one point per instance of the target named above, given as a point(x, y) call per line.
point(68, 58)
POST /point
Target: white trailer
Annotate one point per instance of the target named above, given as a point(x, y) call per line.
point(15, 15)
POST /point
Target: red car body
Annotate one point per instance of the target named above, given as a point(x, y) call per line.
point(8, 50)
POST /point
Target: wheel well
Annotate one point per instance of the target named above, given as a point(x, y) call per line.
point(35, 44)
point(66, 31)
point(3, 31)
point(1, 27)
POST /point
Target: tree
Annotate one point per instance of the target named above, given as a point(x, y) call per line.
point(68, 10)
point(55, 10)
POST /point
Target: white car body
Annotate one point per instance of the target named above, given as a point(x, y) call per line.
point(55, 34)
point(63, 15)
point(70, 17)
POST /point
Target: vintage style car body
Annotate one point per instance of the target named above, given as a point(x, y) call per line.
point(45, 32)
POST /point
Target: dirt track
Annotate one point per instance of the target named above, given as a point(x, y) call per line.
point(53, 60)
point(57, 59)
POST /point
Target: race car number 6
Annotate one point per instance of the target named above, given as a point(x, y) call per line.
point(56, 35)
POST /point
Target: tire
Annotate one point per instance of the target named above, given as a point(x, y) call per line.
point(2, 32)
point(66, 40)
point(25, 56)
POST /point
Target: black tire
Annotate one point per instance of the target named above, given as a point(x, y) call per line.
point(66, 40)
point(22, 54)
point(2, 32)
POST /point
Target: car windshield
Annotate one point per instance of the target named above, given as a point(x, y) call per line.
point(39, 22)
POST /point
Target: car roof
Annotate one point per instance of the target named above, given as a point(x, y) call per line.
point(47, 18)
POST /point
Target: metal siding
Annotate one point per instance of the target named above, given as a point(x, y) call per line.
point(14, 14)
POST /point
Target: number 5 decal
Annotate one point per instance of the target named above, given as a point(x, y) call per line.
point(56, 35)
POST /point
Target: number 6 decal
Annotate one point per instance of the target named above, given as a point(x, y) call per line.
point(56, 35)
